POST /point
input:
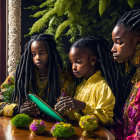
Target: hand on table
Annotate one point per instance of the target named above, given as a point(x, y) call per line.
point(29, 108)
point(67, 104)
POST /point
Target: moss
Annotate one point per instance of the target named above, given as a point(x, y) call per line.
point(62, 130)
point(21, 120)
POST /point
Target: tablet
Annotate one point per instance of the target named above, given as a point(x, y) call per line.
point(45, 108)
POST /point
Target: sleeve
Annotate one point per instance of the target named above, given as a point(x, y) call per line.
point(101, 104)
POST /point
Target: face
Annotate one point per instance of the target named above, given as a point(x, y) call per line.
point(82, 60)
point(39, 55)
point(124, 43)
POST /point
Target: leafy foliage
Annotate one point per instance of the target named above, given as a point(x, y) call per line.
point(73, 19)
point(8, 90)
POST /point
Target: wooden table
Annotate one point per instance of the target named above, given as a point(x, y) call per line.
point(8, 132)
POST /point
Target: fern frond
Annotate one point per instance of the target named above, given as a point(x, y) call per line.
point(74, 9)
point(50, 31)
point(61, 6)
point(41, 23)
point(61, 28)
point(46, 3)
point(72, 39)
point(72, 31)
point(33, 7)
point(131, 3)
point(102, 6)
point(39, 14)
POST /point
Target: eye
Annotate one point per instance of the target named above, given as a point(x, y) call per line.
point(118, 41)
point(42, 52)
point(78, 62)
point(33, 54)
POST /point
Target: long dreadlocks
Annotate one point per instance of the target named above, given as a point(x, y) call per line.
point(26, 69)
point(109, 70)
point(131, 20)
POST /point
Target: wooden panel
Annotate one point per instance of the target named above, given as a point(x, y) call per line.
point(2, 40)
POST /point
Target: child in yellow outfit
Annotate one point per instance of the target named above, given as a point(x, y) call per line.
point(90, 61)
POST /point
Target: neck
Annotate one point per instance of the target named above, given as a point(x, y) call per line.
point(43, 71)
point(90, 73)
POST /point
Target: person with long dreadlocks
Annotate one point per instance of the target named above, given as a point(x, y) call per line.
point(126, 48)
point(39, 71)
point(90, 60)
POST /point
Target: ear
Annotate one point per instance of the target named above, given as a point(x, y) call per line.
point(93, 60)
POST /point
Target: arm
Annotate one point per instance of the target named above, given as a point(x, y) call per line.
point(102, 104)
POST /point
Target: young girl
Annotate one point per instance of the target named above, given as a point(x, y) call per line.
point(39, 73)
point(90, 60)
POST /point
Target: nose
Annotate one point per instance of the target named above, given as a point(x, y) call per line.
point(113, 50)
point(37, 57)
point(73, 66)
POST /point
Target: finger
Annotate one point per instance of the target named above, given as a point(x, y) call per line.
point(27, 104)
point(64, 97)
point(31, 112)
point(57, 107)
point(58, 104)
point(65, 107)
point(63, 101)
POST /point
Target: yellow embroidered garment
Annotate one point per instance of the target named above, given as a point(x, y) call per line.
point(98, 97)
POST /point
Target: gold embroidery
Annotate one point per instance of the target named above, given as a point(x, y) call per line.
point(136, 76)
point(41, 80)
point(136, 59)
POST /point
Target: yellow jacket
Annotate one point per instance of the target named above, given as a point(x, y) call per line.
point(98, 97)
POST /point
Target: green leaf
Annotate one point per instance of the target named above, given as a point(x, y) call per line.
point(46, 3)
point(61, 28)
point(39, 13)
point(33, 7)
point(61, 6)
point(131, 3)
point(41, 23)
point(102, 6)
point(6, 85)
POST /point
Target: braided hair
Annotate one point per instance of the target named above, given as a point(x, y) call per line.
point(109, 70)
point(130, 20)
point(26, 69)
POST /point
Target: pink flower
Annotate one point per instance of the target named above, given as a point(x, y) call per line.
point(33, 127)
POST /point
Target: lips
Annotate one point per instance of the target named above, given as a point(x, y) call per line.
point(115, 55)
point(38, 63)
point(75, 73)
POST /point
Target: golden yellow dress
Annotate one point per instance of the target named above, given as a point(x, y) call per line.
point(98, 97)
